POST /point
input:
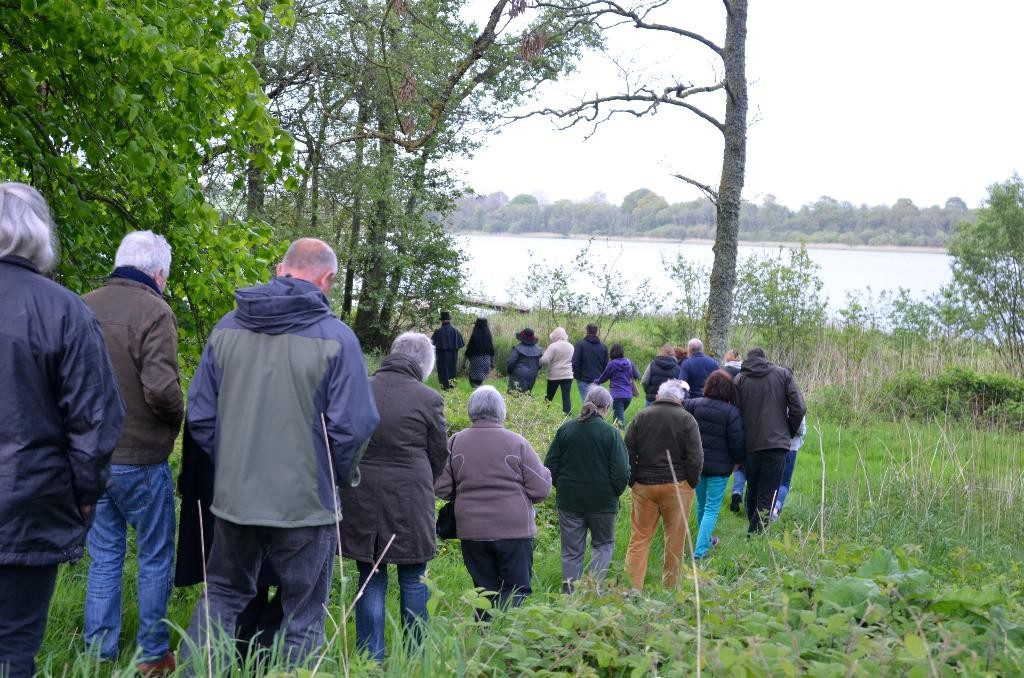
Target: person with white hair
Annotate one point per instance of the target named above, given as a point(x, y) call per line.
point(282, 403)
point(696, 368)
point(495, 476)
point(558, 360)
point(589, 470)
point(395, 495)
point(60, 420)
point(665, 458)
point(141, 335)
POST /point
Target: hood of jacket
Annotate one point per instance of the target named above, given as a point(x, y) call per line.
point(281, 306)
point(756, 367)
point(400, 363)
point(592, 338)
point(666, 362)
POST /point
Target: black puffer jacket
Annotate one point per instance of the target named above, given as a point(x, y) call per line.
point(721, 434)
point(659, 371)
point(60, 416)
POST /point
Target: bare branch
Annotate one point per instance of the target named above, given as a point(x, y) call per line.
point(711, 193)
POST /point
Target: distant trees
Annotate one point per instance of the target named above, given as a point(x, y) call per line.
point(645, 213)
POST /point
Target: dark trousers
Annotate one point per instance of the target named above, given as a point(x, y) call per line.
point(447, 366)
point(303, 558)
point(259, 622)
point(764, 473)
point(25, 593)
point(503, 566)
point(565, 385)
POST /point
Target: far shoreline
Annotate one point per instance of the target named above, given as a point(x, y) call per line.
point(545, 235)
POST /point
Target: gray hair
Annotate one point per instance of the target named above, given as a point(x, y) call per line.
point(558, 334)
point(674, 389)
point(418, 347)
point(487, 403)
point(26, 226)
point(311, 254)
point(695, 344)
point(146, 251)
point(597, 402)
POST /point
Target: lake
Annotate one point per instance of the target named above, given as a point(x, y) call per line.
point(496, 261)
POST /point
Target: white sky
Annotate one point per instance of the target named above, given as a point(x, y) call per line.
point(867, 101)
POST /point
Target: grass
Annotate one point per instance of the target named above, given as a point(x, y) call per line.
point(900, 551)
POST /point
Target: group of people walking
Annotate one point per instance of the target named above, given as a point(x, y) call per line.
point(295, 455)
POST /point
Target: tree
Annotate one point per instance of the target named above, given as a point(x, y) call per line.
point(988, 270)
point(645, 99)
point(113, 109)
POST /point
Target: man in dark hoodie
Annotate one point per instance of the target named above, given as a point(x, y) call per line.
point(447, 342)
point(589, 359)
point(282, 402)
point(772, 408)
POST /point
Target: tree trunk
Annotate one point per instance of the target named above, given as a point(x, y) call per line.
point(255, 182)
point(730, 188)
point(363, 117)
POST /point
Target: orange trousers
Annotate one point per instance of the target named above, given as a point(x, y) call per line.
point(671, 502)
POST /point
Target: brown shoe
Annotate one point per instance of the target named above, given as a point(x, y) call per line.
point(158, 668)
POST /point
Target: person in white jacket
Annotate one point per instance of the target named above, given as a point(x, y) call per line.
point(557, 359)
point(787, 473)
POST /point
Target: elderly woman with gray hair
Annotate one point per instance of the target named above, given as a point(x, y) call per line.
point(394, 501)
point(495, 476)
point(589, 469)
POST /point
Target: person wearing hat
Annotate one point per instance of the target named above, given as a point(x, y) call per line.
point(524, 362)
point(447, 342)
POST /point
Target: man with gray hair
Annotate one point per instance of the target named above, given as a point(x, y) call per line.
point(282, 403)
point(141, 335)
point(696, 368)
point(60, 419)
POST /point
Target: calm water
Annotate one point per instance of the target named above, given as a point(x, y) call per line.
point(496, 261)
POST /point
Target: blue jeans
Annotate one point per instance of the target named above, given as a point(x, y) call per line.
point(584, 388)
point(370, 616)
point(619, 407)
point(143, 497)
point(739, 481)
point(710, 491)
point(787, 478)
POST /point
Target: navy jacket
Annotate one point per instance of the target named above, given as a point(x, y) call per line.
point(695, 370)
point(60, 416)
point(721, 434)
point(589, 359)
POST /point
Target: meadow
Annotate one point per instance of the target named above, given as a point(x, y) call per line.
point(900, 551)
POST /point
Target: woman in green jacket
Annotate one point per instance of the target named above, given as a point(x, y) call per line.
point(589, 469)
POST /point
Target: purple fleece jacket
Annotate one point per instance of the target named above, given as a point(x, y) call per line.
point(622, 372)
point(498, 478)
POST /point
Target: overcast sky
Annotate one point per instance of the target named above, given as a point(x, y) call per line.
point(867, 101)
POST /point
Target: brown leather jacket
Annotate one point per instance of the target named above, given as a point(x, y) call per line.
point(141, 334)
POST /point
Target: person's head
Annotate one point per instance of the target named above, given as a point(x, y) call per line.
point(680, 353)
point(597, 403)
point(757, 352)
point(592, 329)
point(616, 351)
point(480, 324)
point(732, 355)
point(674, 390)
point(311, 260)
point(446, 317)
point(694, 345)
point(147, 252)
point(558, 334)
point(527, 336)
point(26, 227)
point(718, 386)
point(667, 350)
point(486, 404)
point(419, 348)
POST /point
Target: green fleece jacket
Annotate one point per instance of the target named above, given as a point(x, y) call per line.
point(589, 467)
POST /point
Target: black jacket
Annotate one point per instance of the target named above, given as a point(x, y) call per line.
point(771, 404)
point(661, 369)
point(406, 454)
point(589, 359)
point(60, 416)
point(657, 434)
point(721, 434)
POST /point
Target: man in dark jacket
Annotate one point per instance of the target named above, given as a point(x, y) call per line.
point(141, 335)
point(665, 457)
point(447, 342)
point(395, 496)
point(282, 402)
point(772, 408)
point(696, 368)
point(589, 358)
point(60, 418)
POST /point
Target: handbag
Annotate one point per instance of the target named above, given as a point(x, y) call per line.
point(445, 526)
point(636, 391)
